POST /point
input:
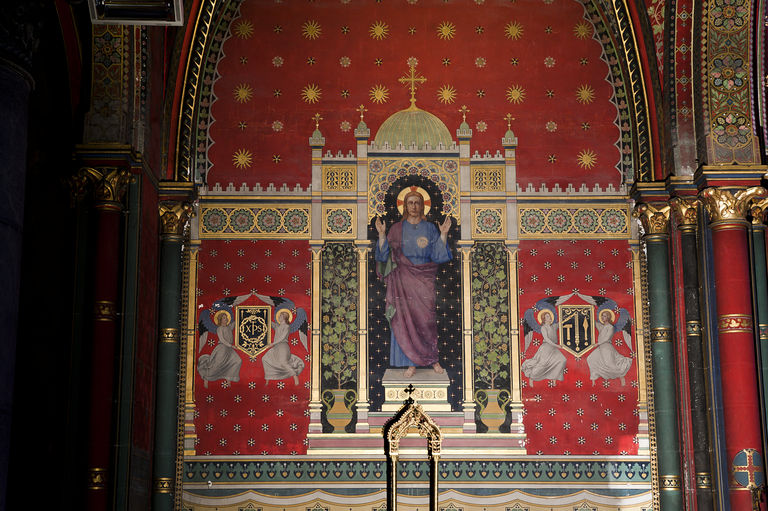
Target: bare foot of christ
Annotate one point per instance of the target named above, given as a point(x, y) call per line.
point(438, 368)
point(408, 373)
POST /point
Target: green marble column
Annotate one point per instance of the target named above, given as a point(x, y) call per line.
point(761, 296)
point(173, 218)
point(655, 220)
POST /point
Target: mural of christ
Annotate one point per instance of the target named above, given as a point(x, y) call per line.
point(407, 261)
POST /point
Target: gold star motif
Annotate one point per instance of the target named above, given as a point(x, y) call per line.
point(516, 94)
point(514, 61)
point(411, 30)
point(243, 60)
point(243, 93)
point(446, 61)
point(552, 158)
point(585, 94)
point(548, 29)
point(479, 29)
point(276, 158)
point(446, 30)
point(345, 30)
point(344, 93)
point(513, 30)
point(446, 94)
point(311, 93)
point(379, 94)
point(480, 93)
point(585, 126)
point(277, 29)
point(242, 125)
point(582, 30)
point(378, 62)
point(586, 159)
point(242, 159)
point(311, 61)
point(277, 93)
point(243, 29)
point(378, 30)
point(550, 93)
point(584, 61)
point(311, 29)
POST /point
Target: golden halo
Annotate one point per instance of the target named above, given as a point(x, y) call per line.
point(220, 313)
point(280, 311)
point(609, 311)
point(409, 189)
point(540, 317)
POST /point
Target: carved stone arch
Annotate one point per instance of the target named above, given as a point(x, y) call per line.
point(411, 415)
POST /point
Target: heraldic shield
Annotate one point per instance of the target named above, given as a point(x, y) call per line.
point(577, 327)
point(253, 331)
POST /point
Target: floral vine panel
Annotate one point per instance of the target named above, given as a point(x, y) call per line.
point(252, 357)
point(578, 348)
point(490, 326)
point(338, 350)
point(549, 64)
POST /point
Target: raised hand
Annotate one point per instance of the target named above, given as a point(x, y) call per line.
point(445, 226)
point(381, 227)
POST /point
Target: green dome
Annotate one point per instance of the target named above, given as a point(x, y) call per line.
point(413, 125)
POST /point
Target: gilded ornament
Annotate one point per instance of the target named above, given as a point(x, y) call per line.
point(654, 217)
point(684, 210)
point(729, 204)
point(97, 478)
point(173, 217)
point(757, 211)
point(109, 182)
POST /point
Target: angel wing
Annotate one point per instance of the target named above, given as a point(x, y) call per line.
point(299, 322)
point(623, 321)
point(205, 323)
point(530, 324)
point(624, 324)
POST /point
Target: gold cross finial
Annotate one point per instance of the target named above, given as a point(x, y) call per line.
point(464, 111)
point(410, 389)
point(362, 110)
point(317, 118)
point(411, 79)
point(509, 120)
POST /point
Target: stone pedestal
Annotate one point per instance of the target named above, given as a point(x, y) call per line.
point(431, 390)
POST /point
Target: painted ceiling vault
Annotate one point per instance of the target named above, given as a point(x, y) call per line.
point(545, 68)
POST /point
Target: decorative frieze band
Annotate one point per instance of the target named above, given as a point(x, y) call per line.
point(169, 335)
point(661, 334)
point(284, 221)
point(669, 483)
point(575, 222)
point(732, 323)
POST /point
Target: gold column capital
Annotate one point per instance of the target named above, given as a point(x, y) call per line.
point(109, 184)
point(729, 203)
point(758, 210)
point(684, 212)
point(654, 216)
point(173, 217)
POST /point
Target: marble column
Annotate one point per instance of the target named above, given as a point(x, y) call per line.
point(655, 220)
point(109, 187)
point(727, 210)
point(685, 217)
point(173, 219)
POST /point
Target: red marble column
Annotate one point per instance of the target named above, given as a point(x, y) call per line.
point(738, 365)
point(110, 185)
